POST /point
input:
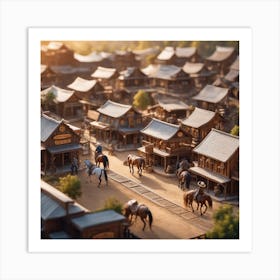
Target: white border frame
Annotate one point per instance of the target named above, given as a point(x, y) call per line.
point(243, 35)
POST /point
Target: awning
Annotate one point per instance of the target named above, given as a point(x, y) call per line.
point(155, 151)
point(64, 148)
point(212, 176)
point(100, 125)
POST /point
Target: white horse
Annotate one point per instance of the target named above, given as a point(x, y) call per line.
point(92, 169)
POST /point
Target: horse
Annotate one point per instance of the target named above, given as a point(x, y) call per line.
point(97, 171)
point(102, 158)
point(136, 160)
point(183, 164)
point(200, 200)
point(184, 179)
point(141, 211)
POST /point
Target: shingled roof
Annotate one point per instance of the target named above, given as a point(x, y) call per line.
point(104, 73)
point(54, 203)
point(185, 52)
point(48, 126)
point(221, 54)
point(218, 145)
point(211, 94)
point(129, 72)
point(166, 54)
point(167, 72)
point(193, 68)
point(113, 109)
point(198, 118)
point(161, 130)
point(82, 85)
point(55, 45)
point(92, 57)
point(61, 95)
point(172, 104)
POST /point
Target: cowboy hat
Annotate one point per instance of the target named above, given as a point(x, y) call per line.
point(201, 184)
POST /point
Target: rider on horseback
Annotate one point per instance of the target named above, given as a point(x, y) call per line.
point(133, 205)
point(200, 189)
point(98, 149)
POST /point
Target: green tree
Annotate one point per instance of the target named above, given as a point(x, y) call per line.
point(226, 224)
point(70, 185)
point(47, 99)
point(235, 130)
point(112, 204)
point(142, 100)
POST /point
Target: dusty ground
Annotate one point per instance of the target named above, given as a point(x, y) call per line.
point(166, 225)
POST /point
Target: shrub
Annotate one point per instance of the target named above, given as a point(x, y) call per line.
point(112, 204)
point(142, 100)
point(70, 185)
point(226, 225)
point(235, 130)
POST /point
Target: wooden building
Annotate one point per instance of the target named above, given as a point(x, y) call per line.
point(101, 225)
point(212, 98)
point(118, 124)
point(167, 77)
point(218, 161)
point(57, 209)
point(132, 77)
point(56, 53)
point(168, 109)
point(64, 218)
point(231, 79)
point(164, 144)
point(62, 103)
point(93, 60)
point(221, 59)
point(48, 77)
point(145, 55)
point(199, 123)
point(199, 74)
point(106, 76)
point(123, 96)
point(90, 61)
point(177, 56)
point(186, 54)
point(124, 59)
point(90, 92)
point(59, 144)
point(66, 74)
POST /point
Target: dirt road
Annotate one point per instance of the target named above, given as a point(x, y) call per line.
point(166, 225)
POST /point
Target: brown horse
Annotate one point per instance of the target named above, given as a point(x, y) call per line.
point(141, 210)
point(138, 161)
point(184, 178)
point(200, 200)
point(100, 158)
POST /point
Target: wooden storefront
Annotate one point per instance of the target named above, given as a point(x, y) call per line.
point(65, 104)
point(167, 77)
point(218, 161)
point(118, 124)
point(132, 77)
point(59, 144)
point(199, 123)
point(212, 98)
point(168, 110)
point(101, 225)
point(164, 145)
point(90, 93)
point(221, 59)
